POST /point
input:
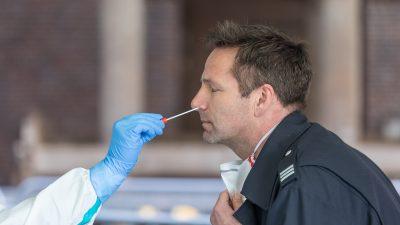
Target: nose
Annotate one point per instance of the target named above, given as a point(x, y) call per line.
point(199, 101)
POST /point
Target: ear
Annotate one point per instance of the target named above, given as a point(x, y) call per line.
point(264, 99)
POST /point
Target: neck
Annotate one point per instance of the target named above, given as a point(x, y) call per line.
point(244, 145)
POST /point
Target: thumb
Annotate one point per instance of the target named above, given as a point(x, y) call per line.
point(237, 200)
point(224, 200)
point(224, 196)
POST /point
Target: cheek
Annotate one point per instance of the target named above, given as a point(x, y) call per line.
point(239, 114)
point(231, 113)
point(222, 106)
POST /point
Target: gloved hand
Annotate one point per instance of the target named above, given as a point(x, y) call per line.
point(128, 136)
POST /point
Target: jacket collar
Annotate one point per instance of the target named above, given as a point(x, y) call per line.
point(260, 182)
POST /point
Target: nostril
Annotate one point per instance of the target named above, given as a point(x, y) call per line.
point(201, 108)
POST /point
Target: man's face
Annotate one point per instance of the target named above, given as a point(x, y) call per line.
point(223, 111)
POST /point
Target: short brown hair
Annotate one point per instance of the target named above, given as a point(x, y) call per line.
point(266, 55)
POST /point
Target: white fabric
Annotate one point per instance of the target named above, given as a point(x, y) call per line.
point(64, 202)
point(235, 173)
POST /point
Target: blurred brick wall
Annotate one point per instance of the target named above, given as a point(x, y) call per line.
point(382, 65)
point(164, 58)
point(200, 16)
point(176, 53)
point(49, 64)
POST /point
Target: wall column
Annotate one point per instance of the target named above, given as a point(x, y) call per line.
point(123, 30)
point(336, 95)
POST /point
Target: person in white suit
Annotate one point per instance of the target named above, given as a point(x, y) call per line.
point(77, 196)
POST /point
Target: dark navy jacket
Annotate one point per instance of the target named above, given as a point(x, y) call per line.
point(306, 175)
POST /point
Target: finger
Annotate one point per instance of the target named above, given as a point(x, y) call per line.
point(145, 126)
point(153, 115)
point(150, 116)
point(237, 200)
point(145, 131)
point(155, 121)
point(159, 124)
point(146, 137)
point(131, 119)
point(223, 198)
point(142, 115)
point(225, 195)
point(156, 125)
point(222, 206)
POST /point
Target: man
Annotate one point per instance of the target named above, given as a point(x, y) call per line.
point(254, 84)
point(76, 197)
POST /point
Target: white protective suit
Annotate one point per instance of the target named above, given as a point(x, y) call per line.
point(70, 200)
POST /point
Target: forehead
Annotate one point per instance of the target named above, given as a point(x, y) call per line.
point(219, 64)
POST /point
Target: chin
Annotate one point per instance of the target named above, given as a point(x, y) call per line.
point(211, 139)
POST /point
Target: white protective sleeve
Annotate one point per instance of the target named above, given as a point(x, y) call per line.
point(70, 200)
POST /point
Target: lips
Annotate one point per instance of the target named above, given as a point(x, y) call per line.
point(206, 122)
point(206, 125)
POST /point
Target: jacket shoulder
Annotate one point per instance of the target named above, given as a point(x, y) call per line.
point(321, 148)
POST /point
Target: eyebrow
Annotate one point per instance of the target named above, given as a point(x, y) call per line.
point(210, 82)
point(205, 80)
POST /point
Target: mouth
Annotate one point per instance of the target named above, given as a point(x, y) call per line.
point(207, 125)
point(205, 121)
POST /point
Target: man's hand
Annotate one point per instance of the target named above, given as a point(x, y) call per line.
point(222, 213)
point(236, 200)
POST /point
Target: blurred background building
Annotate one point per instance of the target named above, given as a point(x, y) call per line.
point(69, 69)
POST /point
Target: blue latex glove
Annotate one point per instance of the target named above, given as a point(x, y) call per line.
point(128, 136)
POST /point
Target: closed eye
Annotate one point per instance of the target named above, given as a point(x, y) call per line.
point(214, 90)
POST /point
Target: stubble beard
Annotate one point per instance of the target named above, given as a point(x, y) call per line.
point(214, 137)
point(211, 138)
